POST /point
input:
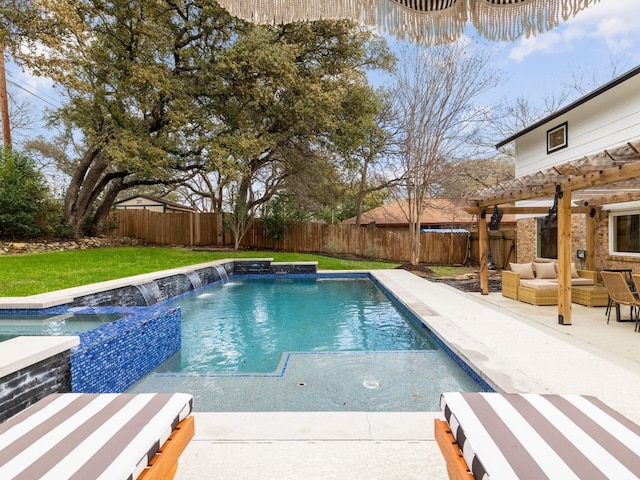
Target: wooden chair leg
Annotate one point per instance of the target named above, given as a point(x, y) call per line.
point(165, 463)
point(456, 466)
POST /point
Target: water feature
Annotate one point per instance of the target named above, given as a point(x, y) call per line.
point(151, 293)
point(222, 272)
point(195, 280)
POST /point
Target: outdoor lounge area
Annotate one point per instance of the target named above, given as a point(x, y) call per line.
point(537, 284)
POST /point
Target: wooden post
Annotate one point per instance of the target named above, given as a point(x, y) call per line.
point(564, 257)
point(4, 103)
point(483, 246)
point(591, 239)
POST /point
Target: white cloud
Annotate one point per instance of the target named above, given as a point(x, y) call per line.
point(614, 23)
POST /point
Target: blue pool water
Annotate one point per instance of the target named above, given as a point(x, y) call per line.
point(60, 324)
point(246, 325)
point(293, 344)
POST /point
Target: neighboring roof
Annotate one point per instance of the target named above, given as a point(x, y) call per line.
point(438, 211)
point(607, 86)
point(157, 200)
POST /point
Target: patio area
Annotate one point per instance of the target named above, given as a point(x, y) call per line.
point(516, 346)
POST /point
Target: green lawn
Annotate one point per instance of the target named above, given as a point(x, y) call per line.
point(22, 275)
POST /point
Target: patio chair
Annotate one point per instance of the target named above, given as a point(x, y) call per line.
point(636, 285)
point(620, 294)
point(535, 436)
point(90, 436)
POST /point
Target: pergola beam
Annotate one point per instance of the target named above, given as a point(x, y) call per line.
point(511, 210)
point(603, 169)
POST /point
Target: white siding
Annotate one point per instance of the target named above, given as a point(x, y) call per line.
point(608, 120)
point(141, 202)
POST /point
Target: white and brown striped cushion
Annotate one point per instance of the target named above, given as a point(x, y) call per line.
point(89, 436)
point(530, 436)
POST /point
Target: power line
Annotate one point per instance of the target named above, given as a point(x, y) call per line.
point(30, 92)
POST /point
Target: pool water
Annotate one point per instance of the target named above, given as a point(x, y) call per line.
point(291, 344)
point(60, 324)
point(246, 325)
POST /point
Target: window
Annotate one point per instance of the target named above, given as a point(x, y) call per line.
point(557, 138)
point(624, 232)
point(547, 237)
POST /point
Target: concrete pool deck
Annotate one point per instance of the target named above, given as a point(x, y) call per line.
point(516, 347)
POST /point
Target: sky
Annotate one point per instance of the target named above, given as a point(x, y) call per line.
point(587, 46)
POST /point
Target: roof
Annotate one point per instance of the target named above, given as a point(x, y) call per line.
point(437, 211)
point(599, 91)
point(157, 200)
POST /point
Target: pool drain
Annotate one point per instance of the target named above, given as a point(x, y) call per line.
point(371, 384)
point(302, 384)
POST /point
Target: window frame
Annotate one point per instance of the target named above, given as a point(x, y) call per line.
point(564, 143)
point(612, 232)
point(539, 252)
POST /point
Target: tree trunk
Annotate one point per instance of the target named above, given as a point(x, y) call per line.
point(80, 194)
point(99, 219)
point(361, 192)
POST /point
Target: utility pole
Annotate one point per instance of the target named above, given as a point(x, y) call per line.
point(4, 103)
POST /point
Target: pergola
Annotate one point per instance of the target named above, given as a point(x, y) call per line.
point(580, 186)
point(428, 22)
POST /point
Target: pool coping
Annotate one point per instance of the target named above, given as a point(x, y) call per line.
point(514, 356)
point(20, 352)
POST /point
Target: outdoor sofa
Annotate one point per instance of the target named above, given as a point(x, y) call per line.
point(537, 283)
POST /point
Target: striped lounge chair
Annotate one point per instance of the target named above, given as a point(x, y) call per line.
point(91, 436)
point(530, 436)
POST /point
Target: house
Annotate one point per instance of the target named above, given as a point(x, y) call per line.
point(577, 185)
point(438, 214)
point(145, 202)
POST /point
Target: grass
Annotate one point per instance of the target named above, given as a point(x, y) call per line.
point(31, 274)
point(445, 271)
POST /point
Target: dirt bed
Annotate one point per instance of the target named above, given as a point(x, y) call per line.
point(466, 283)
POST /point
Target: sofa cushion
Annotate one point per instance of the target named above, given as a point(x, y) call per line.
point(545, 270)
point(540, 284)
point(549, 284)
point(525, 270)
point(574, 270)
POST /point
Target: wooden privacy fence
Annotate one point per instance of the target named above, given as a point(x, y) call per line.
point(175, 228)
point(207, 230)
point(377, 243)
point(502, 245)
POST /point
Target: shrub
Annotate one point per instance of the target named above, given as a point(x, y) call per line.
point(25, 207)
point(282, 213)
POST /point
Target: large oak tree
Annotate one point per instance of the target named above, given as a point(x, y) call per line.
point(161, 91)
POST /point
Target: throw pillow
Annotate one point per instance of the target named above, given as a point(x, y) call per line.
point(545, 270)
point(525, 270)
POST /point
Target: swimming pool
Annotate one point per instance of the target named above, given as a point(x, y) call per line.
point(246, 325)
point(320, 343)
